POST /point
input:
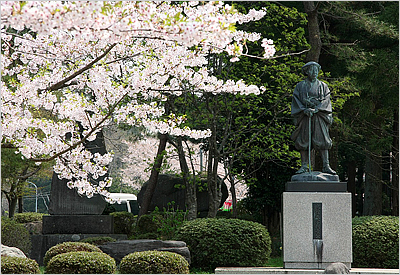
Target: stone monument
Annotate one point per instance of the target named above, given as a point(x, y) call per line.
point(71, 213)
point(73, 217)
point(316, 205)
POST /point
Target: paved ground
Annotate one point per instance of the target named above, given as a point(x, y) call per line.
point(274, 270)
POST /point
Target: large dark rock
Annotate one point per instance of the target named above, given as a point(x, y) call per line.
point(120, 249)
point(167, 190)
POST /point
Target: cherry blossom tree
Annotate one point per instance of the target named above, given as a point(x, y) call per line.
point(69, 69)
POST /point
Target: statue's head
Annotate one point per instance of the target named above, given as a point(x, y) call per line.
point(311, 69)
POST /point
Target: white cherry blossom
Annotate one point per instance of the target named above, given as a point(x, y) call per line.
point(70, 68)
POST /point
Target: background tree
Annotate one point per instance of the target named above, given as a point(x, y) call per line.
point(360, 40)
point(15, 171)
point(272, 152)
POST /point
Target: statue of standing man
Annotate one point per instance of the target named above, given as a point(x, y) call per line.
point(312, 112)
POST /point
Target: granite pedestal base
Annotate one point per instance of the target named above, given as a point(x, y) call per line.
point(78, 224)
point(42, 243)
point(316, 229)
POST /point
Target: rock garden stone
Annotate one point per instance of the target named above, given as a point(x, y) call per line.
point(12, 251)
point(120, 249)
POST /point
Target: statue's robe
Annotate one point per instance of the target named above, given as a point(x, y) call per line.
point(319, 95)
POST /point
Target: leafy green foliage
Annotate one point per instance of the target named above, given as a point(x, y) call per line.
point(98, 240)
point(225, 242)
point(264, 122)
point(14, 172)
point(154, 262)
point(15, 234)
point(124, 222)
point(376, 242)
point(250, 131)
point(149, 223)
point(82, 262)
point(68, 247)
point(160, 224)
point(28, 217)
point(171, 222)
point(18, 265)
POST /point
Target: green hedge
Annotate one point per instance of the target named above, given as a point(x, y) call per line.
point(154, 262)
point(225, 242)
point(15, 234)
point(28, 217)
point(376, 242)
point(124, 222)
point(18, 265)
point(81, 262)
point(68, 247)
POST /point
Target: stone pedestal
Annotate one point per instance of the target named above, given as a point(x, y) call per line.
point(78, 224)
point(317, 227)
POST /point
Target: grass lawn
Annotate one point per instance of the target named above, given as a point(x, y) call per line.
point(275, 262)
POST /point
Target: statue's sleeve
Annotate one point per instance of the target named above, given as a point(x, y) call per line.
point(325, 104)
point(297, 103)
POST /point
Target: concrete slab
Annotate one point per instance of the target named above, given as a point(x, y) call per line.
point(281, 270)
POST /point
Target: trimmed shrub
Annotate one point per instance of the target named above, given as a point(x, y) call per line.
point(154, 262)
point(81, 262)
point(376, 242)
point(28, 217)
point(225, 242)
point(15, 234)
point(17, 265)
point(68, 247)
point(124, 222)
point(149, 223)
point(98, 240)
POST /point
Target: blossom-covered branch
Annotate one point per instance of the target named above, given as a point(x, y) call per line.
point(71, 68)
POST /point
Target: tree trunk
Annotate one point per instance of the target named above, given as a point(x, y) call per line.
point(20, 205)
point(233, 193)
point(373, 185)
point(12, 202)
point(360, 188)
point(214, 185)
point(155, 171)
point(351, 185)
point(395, 165)
point(190, 183)
point(313, 31)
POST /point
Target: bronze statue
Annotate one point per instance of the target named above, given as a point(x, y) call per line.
point(312, 112)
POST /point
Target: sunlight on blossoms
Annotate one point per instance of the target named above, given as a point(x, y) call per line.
point(71, 68)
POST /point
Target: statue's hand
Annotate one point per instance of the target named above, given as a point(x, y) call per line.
point(310, 103)
point(310, 112)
